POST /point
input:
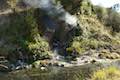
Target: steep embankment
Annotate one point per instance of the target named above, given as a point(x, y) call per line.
point(20, 35)
point(95, 33)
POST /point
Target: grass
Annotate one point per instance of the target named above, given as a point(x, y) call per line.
point(111, 73)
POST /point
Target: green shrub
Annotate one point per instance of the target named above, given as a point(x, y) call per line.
point(81, 45)
point(86, 7)
point(108, 17)
point(36, 44)
point(23, 32)
point(12, 3)
point(114, 20)
point(102, 13)
point(70, 5)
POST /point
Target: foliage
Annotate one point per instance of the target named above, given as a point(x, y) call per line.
point(83, 44)
point(23, 32)
point(12, 32)
point(102, 13)
point(108, 17)
point(86, 7)
point(111, 73)
point(36, 44)
point(70, 5)
point(12, 3)
point(113, 20)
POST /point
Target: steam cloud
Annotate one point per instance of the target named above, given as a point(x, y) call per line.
point(53, 9)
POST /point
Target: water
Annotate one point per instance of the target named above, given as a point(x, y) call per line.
point(56, 55)
point(54, 73)
point(57, 73)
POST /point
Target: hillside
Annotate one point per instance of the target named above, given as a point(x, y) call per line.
point(64, 33)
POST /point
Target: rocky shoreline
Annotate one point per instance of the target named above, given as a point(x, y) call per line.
point(89, 57)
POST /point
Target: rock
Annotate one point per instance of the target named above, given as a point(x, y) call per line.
point(12, 67)
point(86, 61)
point(4, 64)
point(56, 64)
point(39, 63)
point(18, 68)
point(93, 61)
point(4, 68)
point(62, 65)
point(28, 66)
point(109, 55)
point(116, 55)
point(36, 64)
point(43, 68)
point(50, 64)
point(105, 51)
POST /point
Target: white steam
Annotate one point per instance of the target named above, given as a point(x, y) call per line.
point(53, 9)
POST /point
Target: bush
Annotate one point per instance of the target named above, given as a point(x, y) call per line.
point(102, 13)
point(114, 20)
point(36, 44)
point(71, 5)
point(23, 32)
point(111, 73)
point(12, 3)
point(108, 17)
point(86, 7)
point(82, 45)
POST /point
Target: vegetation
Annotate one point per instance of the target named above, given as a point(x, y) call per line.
point(111, 73)
point(12, 3)
point(114, 20)
point(108, 17)
point(24, 34)
point(98, 28)
point(102, 13)
point(93, 32)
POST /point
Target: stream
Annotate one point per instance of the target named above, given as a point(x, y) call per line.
point(82, 72)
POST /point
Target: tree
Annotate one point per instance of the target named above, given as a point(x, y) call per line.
point(102, 13)
point(114, 20)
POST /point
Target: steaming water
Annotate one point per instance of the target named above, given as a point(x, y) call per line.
point(56, 56)
point(53, 9)
point(55, 73)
